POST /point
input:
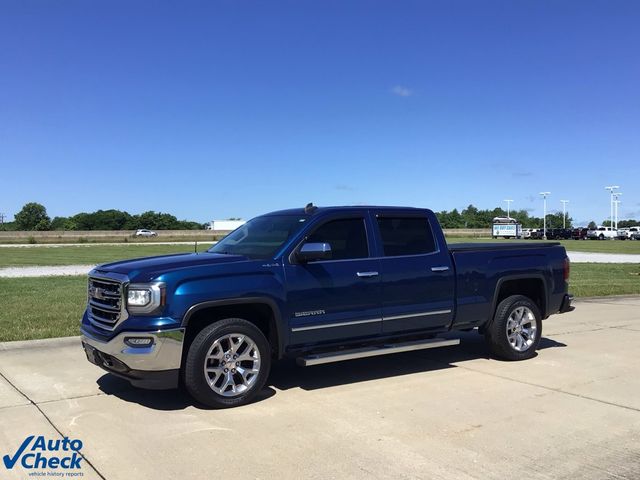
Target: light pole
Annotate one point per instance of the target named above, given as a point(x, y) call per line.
point(611, 188)
point(616, 202)
point(508, 205)
point(544, 218)
point(564, 213)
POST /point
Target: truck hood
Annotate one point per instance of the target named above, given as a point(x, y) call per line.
point(149, 266)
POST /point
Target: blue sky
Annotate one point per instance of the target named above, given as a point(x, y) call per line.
point(233, 108)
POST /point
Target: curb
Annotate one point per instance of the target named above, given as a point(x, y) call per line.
point(607, 297)
point(42, 343)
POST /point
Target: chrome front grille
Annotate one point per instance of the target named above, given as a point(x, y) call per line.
point(105, 303)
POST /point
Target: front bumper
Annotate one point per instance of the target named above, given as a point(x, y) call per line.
point(156, 366)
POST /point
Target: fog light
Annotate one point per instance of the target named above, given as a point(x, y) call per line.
point(138, 341)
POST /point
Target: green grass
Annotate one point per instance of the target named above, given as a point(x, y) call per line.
point(86, 254)
point(52, 306)
point(602, 279)
point(604, 246)
point(41, 307)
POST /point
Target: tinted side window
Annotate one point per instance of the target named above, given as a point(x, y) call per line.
point(406, 236)
point(348, 238)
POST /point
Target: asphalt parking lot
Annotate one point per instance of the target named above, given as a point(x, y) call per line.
point(571, 412)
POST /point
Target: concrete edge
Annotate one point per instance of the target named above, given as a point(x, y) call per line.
point(40, 343)
point(606, 298)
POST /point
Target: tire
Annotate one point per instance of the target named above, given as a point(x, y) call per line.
point(601, 237)
point(206, 375)
point(523, 341)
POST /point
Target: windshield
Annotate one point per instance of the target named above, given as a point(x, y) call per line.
point(261, 237)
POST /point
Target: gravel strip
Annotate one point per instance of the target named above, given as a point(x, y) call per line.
point(591, 257)
point(60, 270)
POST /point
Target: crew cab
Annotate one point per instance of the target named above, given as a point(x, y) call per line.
point(319, 285)
point(602, 233)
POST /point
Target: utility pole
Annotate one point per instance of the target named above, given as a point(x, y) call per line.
point(2, 215)
point(616, 202)
point(544, 218)
point(508, 205)
point(564, 213)
point(611, 188)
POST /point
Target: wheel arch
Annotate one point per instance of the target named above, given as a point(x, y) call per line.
point(261, 311)
point(533, 286)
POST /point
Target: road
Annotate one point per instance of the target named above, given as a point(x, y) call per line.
point(571, 412)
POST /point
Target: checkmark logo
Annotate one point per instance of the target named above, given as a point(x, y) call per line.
point(10, 462)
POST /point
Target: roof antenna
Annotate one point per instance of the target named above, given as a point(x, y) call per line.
point(310, 208)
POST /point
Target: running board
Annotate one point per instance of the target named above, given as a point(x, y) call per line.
point(329, 357)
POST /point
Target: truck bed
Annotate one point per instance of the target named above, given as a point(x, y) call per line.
point(482, 267)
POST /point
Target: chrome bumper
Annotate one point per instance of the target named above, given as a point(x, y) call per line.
point(165, 353)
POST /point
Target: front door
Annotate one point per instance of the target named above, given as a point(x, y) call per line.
point(335, 299)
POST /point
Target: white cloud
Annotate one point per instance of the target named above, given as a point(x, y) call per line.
point(401, 91)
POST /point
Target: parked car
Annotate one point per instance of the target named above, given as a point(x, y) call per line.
point(579, 233)
point(320, 285)
point(602, 233)
point(536, 234)
point(143, 232)
point(631, 232)
point(558, 233)
point(622, 234)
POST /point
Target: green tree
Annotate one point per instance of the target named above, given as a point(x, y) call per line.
point(628, 223)
point(592, 225)
point(555, 220)
point(33, 216)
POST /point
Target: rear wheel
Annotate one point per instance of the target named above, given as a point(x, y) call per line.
point(227, 364)
point(516, 329)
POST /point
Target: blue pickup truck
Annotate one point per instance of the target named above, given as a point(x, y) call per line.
point(319, 285)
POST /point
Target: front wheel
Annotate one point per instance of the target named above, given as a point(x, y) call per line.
point(516, 329)
point(227, 363)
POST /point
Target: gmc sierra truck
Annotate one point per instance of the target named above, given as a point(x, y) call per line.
point(319, 285)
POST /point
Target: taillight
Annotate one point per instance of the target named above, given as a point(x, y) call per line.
point(567, 268)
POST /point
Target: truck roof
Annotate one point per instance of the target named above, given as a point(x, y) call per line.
point(345, 208)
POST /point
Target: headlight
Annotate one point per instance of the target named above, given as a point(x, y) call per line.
point(145, 298)
point(138, 297)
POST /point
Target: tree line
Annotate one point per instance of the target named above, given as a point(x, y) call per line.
point(33, 216)
point(472, 217)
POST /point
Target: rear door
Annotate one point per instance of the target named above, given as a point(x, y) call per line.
point(336, 299)
point(417, 277)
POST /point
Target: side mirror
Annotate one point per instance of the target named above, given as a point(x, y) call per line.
point(310, 252)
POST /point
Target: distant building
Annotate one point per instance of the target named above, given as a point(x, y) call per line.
point(225, 225)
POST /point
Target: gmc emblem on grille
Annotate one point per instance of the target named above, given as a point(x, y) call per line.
point(96, 292)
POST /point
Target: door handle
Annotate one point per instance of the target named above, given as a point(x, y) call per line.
point(444, 268)
point(367, 274)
